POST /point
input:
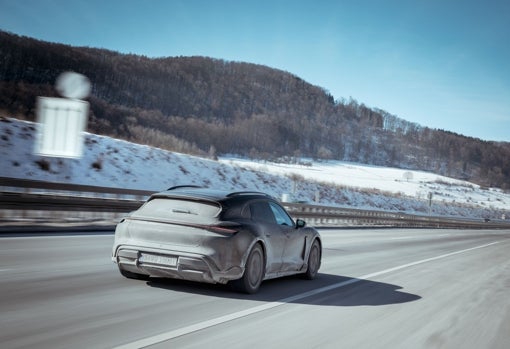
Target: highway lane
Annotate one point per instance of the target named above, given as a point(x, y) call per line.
point(376, 289)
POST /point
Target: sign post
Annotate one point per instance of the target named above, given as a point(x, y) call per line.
point(430, 195)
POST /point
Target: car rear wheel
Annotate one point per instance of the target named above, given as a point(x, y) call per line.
point(253, 272)
point(131, 275)
point(314, 261)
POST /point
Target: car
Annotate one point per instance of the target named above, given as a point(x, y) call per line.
point(213, 236)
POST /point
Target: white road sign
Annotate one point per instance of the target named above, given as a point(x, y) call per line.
point(62, 122)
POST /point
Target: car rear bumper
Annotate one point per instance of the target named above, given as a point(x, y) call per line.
point(173, 264)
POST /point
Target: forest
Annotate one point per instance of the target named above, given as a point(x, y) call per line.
point(208, 107)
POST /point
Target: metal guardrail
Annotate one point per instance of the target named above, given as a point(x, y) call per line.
point(29, 199)
point(336, 216)
point(52, 202)
point(30, 185)
point(24, 201)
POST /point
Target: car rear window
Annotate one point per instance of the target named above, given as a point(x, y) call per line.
point(179, 210)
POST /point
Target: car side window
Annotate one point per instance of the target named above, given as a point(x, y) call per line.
point(281, 216)
point(260, 211)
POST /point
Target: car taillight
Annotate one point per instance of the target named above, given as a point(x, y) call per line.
point(224, 227)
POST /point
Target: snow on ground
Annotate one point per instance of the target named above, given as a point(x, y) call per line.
point(415, 184)
point(114, 163)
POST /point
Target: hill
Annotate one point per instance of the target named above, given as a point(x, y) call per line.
point(116, 163)
point(200, 105)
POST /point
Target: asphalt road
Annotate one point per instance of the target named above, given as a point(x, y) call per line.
point(376, 289)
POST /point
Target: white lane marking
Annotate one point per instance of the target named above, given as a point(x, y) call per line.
point(426, 260)
point(419, 237)
point(46, 236)
point(145, 342)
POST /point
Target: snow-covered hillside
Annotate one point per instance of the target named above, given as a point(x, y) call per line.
point(115, 163)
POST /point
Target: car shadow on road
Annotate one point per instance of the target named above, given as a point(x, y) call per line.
point(325, 290)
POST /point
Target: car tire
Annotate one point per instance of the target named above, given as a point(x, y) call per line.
point(314, 261)
point(253, 272)
point(130, 275)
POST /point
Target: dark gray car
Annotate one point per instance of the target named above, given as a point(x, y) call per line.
point(215, 237)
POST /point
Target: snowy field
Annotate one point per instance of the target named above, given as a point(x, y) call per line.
point(114, 163)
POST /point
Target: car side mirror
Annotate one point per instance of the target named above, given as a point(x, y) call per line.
point(300, 223)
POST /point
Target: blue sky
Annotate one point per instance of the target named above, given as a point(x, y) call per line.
point(443, 64)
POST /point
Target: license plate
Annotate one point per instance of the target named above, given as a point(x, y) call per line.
point(156, 259)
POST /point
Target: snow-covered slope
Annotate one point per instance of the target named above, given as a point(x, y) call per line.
point(115, 163)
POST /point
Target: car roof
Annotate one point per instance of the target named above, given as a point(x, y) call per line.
point(195, 192)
